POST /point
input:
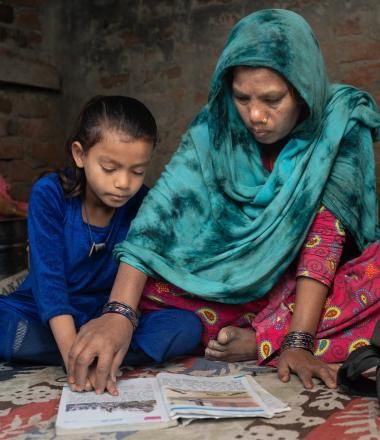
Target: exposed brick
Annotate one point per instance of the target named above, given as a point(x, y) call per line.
point(32, 128)
point(3, 128)
point(358, 50)
point(12, 127)
point(20, 38)
point(350, 26)
point(11, 148)
point(34, 38)
point(6, 13)
point(5, 105)
point(109, 82)
point(366, 77)
point(132, 38)
point(171, 72)
point(200, 98)
point(4, 33)
point(31, 106)
point(21, 191)
point(4, 168)
point(29, 3)
point(210, 2)
point(43, 155)
point(28, 19)
point(21, 171)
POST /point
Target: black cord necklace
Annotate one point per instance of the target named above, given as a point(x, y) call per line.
point(96, 247)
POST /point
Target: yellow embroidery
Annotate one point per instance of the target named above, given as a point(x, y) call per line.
point(265, 349)
point(323, 346)
point(313, 242)
point(332, 313)
point(339, 228)
point(208, 315)
point(357, 344)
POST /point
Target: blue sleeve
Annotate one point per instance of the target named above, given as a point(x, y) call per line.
point(46, 217)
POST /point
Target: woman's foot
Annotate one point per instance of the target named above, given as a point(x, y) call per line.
point(233, 344)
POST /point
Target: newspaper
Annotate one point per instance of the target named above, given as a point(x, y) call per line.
point(158, 402)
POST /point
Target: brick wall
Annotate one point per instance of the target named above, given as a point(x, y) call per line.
point(59, 53)
point(30, 99)
point(164, 51)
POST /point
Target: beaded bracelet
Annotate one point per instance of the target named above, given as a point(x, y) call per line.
point(298, 340)
point(122, 309)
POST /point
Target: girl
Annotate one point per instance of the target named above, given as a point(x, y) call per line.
point(76, 216)
point(255, 214)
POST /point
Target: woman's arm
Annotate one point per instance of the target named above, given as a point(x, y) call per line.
point(107, 338)
point(318, 261)
point(310, 299)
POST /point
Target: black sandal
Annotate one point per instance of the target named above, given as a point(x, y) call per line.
point(350, 374)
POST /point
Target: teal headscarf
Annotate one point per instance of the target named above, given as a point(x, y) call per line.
point(216, 223)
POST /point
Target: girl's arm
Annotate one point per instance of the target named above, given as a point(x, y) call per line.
point(106, 338)
point(64, 332)
point(48, 253)
point(48, 260)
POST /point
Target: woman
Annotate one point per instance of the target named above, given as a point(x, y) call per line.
point(278, 163)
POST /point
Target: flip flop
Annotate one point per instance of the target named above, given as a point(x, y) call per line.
point(350, 374)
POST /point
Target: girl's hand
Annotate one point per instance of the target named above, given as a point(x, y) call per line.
point(306, 366)
point(90, 383)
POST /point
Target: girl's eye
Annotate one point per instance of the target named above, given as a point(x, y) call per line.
point(108, 170)
point(139, 173)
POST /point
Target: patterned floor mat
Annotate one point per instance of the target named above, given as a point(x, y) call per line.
point(29, 397)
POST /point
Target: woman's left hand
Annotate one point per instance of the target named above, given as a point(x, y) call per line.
point(306, 366)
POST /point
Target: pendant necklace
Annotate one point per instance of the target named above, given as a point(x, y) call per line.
point(96, 247)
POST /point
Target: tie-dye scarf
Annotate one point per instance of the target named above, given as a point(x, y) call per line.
point(216, 223)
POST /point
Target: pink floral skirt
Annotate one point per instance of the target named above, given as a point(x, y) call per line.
point(347, 321)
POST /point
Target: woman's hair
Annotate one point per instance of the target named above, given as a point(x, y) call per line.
point(118, 113)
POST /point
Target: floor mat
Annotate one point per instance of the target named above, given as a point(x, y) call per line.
point(29, 397)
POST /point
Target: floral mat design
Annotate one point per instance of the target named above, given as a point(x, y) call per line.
point(29, 397)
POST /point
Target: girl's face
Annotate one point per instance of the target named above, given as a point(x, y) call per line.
point(265, 103)
point(114, 168)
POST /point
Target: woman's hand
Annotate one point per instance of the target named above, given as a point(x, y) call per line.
point(101, 344)
point(306, 366)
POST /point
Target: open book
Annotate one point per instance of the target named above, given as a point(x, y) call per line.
point(147, 403)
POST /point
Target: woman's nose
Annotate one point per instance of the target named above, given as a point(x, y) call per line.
point(257, 114)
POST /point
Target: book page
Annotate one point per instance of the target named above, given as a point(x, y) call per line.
point(196, 397)
point(138, 406)
point(272, 403)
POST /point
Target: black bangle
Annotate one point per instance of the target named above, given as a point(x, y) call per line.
point(122, 309)
point(302, 340)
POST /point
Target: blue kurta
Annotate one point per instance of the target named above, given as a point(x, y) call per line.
point(63, 279)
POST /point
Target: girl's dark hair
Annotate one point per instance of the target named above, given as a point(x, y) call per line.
point(120, 113)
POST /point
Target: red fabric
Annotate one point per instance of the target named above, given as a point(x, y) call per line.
point(347, 321)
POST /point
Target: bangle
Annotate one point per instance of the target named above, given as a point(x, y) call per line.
point(122, 309)
point(298, 340)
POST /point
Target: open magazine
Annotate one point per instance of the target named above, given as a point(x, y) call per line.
point(148, 403)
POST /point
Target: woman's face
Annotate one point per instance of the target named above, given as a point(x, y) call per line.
point(265, 103)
